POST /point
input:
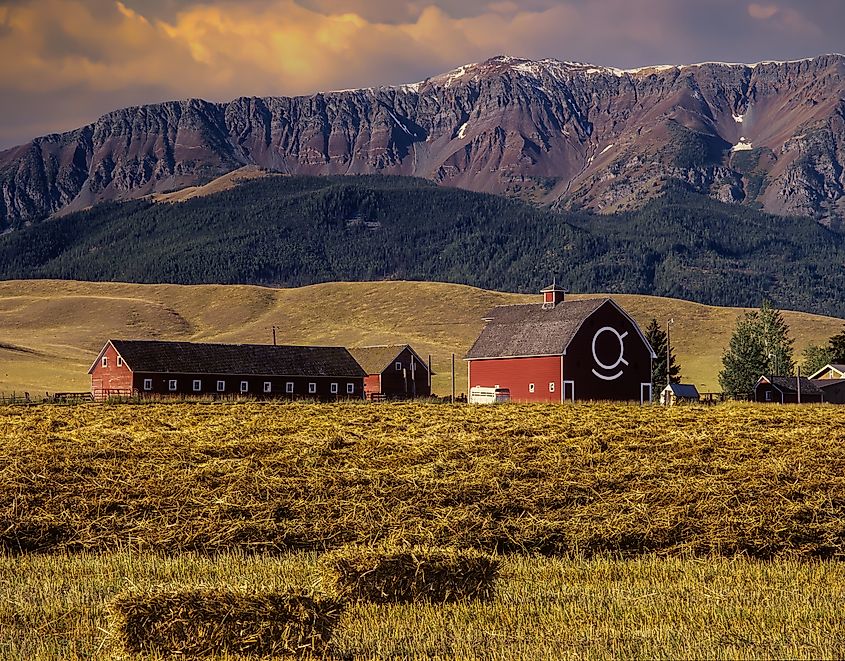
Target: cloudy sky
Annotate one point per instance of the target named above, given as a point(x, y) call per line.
point(65, 62)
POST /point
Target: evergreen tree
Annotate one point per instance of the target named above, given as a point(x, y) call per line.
point(745, 360)
point(777, 345)
point(816, 357)
point(837, 349)
point(656, 336)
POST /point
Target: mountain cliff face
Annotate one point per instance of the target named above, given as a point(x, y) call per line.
point(770, 135)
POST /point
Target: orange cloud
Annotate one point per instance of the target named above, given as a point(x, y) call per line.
point(762, 12)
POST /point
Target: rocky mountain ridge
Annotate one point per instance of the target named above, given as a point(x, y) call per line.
point(771, 135)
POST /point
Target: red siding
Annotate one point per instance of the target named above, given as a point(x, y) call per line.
point(111, 377)
point(407, 381)
point(372, 385)
point(517, 374)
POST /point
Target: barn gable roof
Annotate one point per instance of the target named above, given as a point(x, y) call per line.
point(789, 384)
point(834, 367)
point(376, 359)
point(235, 359)
point(531, 330)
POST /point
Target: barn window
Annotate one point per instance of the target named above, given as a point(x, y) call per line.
point(171, 385)
point(530, 387)
point(148, 384)
point(105, 361)
point(119, 361)
point(244, 386)
point(334, 389)
point(197, 385)
point(312, 388)
point(350, 388)
point(398, 367)
point(289, 387)
point(268, 386)
point(768, 395)
point(551, 386)
point(221, 386)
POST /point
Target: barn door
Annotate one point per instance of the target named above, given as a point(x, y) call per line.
point(645, 393)
point(568, 391)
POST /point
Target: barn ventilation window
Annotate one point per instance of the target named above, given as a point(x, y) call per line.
point(398, 367)
point(350, 388)
point(221, 386)
point(105, 361)
point(551, 386)
point(289, 387)
point(244, 386)
point(530, 387)
point(197, 385)
point(119, 361)
point(148, 384)
point(768, 395)
point(171, 385)
point(334, 389)
point(268, 386)
point(312, 388)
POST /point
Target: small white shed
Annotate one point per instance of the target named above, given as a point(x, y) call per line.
point(679, 393)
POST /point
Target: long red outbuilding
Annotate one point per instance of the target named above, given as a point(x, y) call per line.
point(156, 368)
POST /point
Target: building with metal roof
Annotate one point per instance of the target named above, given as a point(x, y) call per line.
point(562, 350)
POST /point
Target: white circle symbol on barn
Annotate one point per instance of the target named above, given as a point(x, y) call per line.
point(620, 360)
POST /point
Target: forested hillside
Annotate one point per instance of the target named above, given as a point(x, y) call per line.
point(300, 230)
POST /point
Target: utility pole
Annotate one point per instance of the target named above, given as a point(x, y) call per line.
point(798, 384)
point(669, 322)
point(453, 378)
point(274, 334)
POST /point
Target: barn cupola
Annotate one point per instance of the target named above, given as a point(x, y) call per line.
point(552, 295)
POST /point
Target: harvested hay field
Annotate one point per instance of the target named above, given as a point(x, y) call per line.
point(402, 576)
point(203, 622)
point(55, 608)
point(582, 480)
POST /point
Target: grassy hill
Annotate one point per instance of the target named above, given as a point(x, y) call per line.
point(284, 231)
point(51, 330)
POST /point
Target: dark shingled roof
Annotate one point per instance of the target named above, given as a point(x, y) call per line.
point(530, 330)
point(827, 383)
point(237, 359)
point(685, 390)
point(789, 384)
point(376, 359)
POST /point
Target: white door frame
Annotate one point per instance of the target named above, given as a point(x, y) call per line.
point(643, 386)
point(563, 391)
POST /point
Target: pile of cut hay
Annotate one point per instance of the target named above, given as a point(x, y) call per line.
point(202, 622)
point(385, 575)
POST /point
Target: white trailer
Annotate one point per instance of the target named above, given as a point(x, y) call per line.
point(485, 395)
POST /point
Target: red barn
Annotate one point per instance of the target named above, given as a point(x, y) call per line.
point(393, 371)
point(149, 367)
point(562, 350)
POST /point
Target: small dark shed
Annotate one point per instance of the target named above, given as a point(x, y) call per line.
point(832, 389)
point(394, 371)
point(787, 390)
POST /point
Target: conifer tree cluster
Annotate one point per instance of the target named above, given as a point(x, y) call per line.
point(760, 345)
point(658, 339)
point(836, 347)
